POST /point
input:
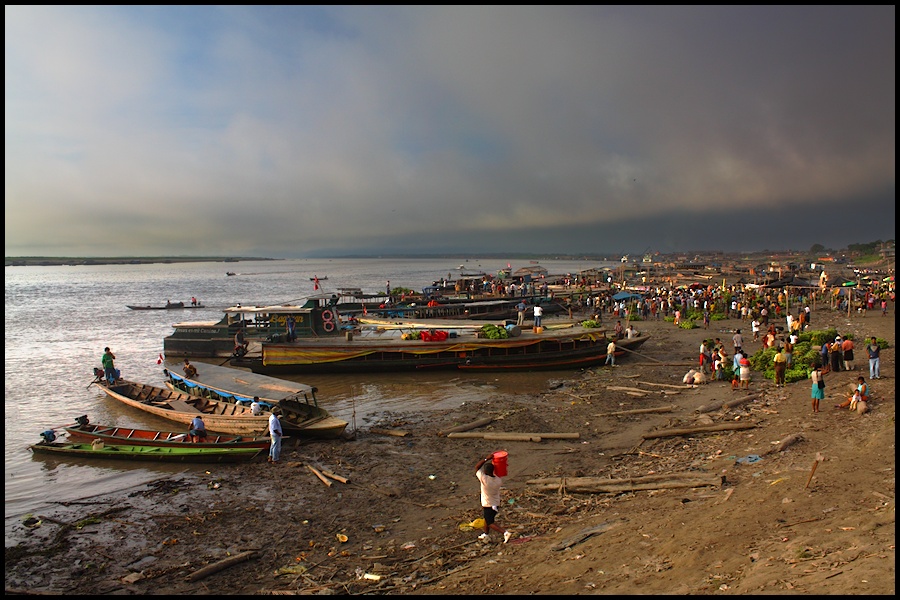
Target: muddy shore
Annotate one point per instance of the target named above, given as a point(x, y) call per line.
point(773, 526)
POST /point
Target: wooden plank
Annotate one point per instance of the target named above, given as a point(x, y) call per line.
point(182, 406)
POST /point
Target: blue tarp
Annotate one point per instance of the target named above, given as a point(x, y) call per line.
point(627, 296)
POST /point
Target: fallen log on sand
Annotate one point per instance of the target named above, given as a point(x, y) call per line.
point(393, 432)
point(783, 444)
point(513, 437)
point(638, 411)
point(218, 566)
point(617, 486)
point(468, 426)
point(546, 436)
point(669, 385)
point(694, 430)
point(622, 388)
point(321, 477)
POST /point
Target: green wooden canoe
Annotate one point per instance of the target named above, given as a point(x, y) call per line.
point(151, 453)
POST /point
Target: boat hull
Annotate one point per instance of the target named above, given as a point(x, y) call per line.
point(298, 402)
point(223, 417)
point(527, 353)
point(146, 437)
point(148, 453)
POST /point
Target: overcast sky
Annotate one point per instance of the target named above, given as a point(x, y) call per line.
point(322, 131)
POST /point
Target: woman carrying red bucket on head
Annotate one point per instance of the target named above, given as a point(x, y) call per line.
point(489, 472)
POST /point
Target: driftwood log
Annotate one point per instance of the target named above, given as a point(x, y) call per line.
point(468, 426)
point(638, 411)
point(783, 444)
point(318, 474)
point(622, 388)
point(617, 486)
point(542, 435)
point(513, 437)
point(218, 566)
point(334, 476)
point(740, 401)
point(694, 430)
point(393, 432)
point(684, 386)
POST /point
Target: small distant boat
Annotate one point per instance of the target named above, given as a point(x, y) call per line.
point(229, 273)
point(168, 306)
point(150, 453)
point(84, 431)
point(319, 278)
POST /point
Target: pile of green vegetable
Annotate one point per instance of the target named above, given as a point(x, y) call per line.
point(494, 332)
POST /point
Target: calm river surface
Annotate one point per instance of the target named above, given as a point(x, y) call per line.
point(59, 319)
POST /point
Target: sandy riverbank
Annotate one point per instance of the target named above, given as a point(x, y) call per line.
point(764, 532)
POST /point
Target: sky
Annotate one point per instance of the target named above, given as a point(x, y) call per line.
point(312, 131)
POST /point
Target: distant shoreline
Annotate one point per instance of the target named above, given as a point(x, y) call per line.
point(50, 261)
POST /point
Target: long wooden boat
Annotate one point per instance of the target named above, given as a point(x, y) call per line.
point(297, 401)
point(170, 306)
point(148, 453)
point(87, 432)
point(215, 339)
point(218, 416)
point(382, 349)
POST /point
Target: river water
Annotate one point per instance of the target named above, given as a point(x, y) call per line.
point(60, 318)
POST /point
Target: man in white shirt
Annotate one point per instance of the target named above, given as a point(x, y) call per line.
point(276, 433)
point(538, 313)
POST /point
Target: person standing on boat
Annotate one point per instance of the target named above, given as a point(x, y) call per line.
point(538, 313)
point(198, 429)
point(109, 367)
point(520, 310)
point(291, 324)
point(255, 407)
point(240, 343)
point(276, 433)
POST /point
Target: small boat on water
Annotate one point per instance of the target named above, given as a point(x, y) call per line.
point(230, 273)
point(218, 416)
point(84, 431)
point(297, 401)
point(168, 306)
point(187, 453)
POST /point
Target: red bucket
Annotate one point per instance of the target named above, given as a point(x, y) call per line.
point(499, 460)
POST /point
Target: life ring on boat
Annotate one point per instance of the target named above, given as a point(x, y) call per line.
point(327, 315)
point(328, 326)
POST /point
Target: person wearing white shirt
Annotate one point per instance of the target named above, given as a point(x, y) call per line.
point(276, 433)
